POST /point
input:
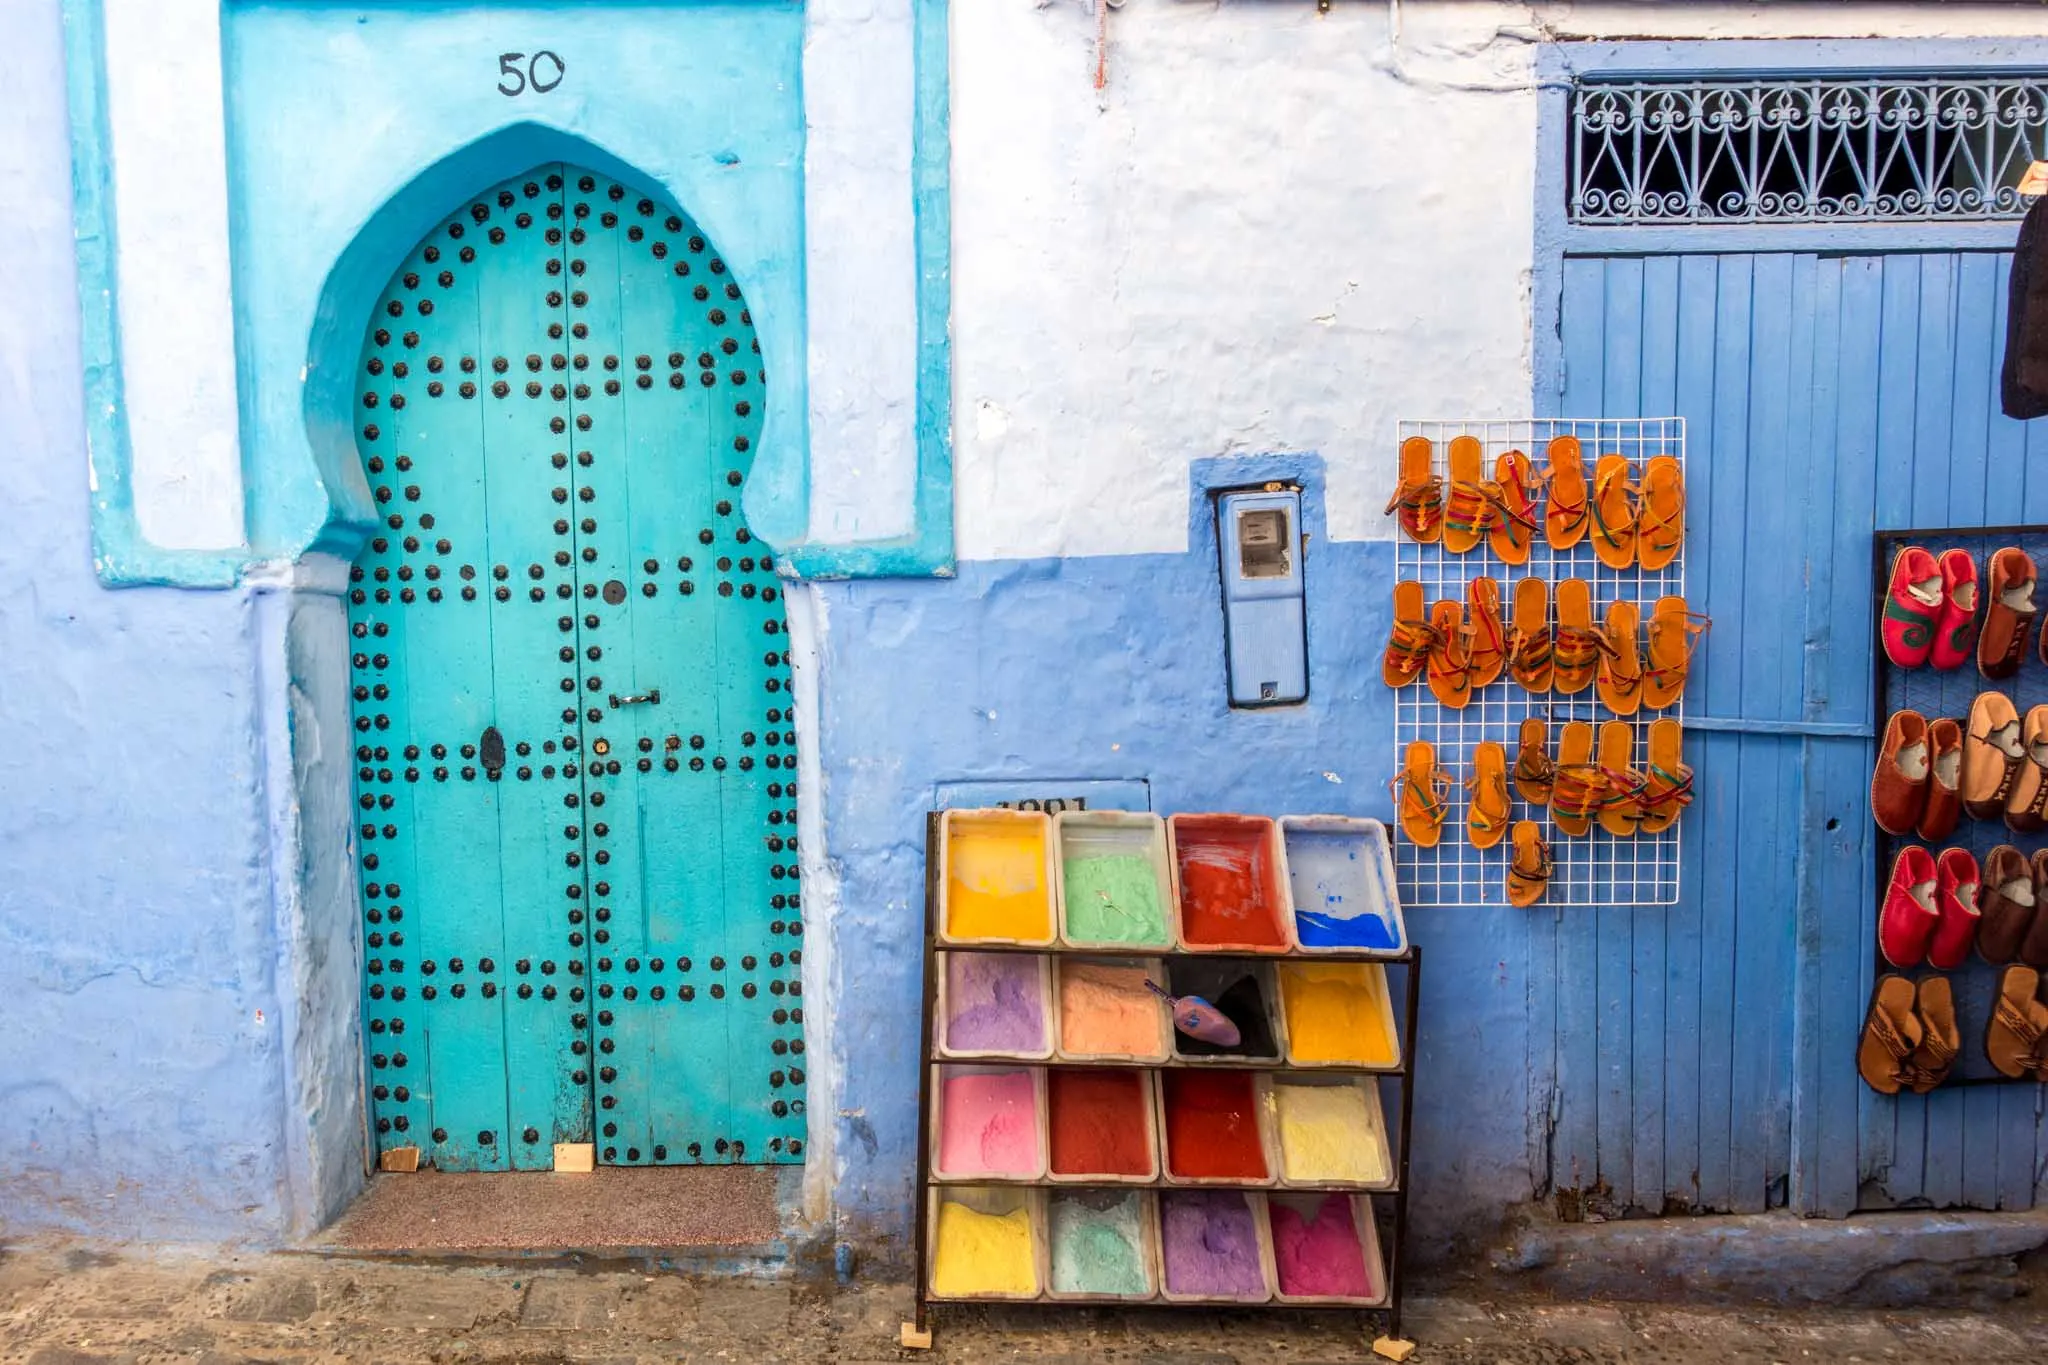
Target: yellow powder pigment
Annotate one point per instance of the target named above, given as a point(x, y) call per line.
point(1325, 1134)
point(996, 883)
point(984, 1253)
point(1106, 1011)
point(1336, 1012)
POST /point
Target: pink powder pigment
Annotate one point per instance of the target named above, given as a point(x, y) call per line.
point(1318, 1255)
point(989, 1125)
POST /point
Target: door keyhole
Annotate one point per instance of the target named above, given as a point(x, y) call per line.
point(615, 592)
point(490, 750)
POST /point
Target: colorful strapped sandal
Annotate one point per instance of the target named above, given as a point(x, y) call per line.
point(1621, 806)
point(1567, 512)
point(1489, 652)
point(1579, 784)
point(1450, 656)
point(1419, 496)
point(1576, 654)
point(1529, 646)
point(1467, 514)
point(1667, 788)
point(1529, 865)
point(1421, 795)
point(1514, 520)
point(1411, 640)
point(1674, 633)
point(1891, 1033)
point(1534, 772)
point(1661, 533)
point(1614, 513)
point(1621, 662)
point(1486, 814)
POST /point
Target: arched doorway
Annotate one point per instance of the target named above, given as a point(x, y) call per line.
point(576, 768)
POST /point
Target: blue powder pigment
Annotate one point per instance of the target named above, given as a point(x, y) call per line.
point(1340, 896)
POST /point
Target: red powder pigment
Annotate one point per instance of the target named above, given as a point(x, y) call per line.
point(1098, 1123)
point(1229, 897)
point(1212, 1126)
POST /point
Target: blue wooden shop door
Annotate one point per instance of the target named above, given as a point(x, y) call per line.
point(576, 772)
point(1701, 1057)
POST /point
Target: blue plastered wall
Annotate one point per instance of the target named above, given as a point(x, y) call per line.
point(141, 1070)
point(1112, 667)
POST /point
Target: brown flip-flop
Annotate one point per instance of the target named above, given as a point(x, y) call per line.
point(1891, 1031)
point(2012, 1038)
point(1620, 670)
point(1534, 770)
point(1940, 1040)
point(1992, 754)
point(1529, 646)
point(1489, 651)
point(2026, 805)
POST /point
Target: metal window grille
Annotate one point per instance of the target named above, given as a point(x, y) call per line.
point(1866, 148)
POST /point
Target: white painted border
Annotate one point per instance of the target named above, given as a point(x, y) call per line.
point(166, 120)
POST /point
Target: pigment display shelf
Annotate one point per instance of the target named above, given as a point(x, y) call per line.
point(1088, 1158)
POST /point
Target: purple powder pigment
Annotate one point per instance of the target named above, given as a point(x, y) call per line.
point(1211, 1245)
point(995, 1002)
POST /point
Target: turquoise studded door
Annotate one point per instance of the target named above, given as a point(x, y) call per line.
point(576, 764)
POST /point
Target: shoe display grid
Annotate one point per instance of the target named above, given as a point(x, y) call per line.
point(1590, 870)
point(1935, 693)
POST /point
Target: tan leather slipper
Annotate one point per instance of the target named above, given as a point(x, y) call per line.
point(1898, 784)
point(1992, 754)
point(2026, 803)
point(1944, 808)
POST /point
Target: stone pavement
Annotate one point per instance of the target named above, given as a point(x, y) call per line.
point(80, 1307)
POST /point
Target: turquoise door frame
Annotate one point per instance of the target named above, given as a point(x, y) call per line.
point(576, 755)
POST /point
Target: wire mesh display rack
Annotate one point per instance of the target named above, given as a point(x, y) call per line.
point(1589, 870)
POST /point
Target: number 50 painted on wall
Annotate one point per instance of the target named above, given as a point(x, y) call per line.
point(517, 81)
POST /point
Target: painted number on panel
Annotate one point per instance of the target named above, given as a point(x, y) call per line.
point(541, 72)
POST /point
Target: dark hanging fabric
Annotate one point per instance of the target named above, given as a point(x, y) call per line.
point(2023, 384)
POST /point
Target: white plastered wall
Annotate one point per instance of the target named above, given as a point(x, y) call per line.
point(1273, 230)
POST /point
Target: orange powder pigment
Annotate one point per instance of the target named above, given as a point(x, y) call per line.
point(1229, 889)
point(996, 881)
point(1105, 1011)
point(1212, 1125)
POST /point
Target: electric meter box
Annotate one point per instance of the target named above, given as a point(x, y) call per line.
point(1265, 624)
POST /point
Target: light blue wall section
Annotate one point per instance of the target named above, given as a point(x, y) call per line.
point(1113, 668)
point(699, 101)
point(141, 1070)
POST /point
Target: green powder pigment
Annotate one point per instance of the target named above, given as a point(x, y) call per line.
point(1114, 898)
point(1097, 1246)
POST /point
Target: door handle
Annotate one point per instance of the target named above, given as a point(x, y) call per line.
point(652, 697)
point(490, 750)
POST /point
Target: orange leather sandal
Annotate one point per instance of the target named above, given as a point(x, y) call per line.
point(1661, 534)
point(1529, 865)
point(1411, 640)
point(1667, 787)
point(1421, 795)
point(1576, 653)
point(1621, 662)
point(1467, 513)
point(1489, 652)
point(1529, 645)
point(1419, 495)
point(1450, 656)
point(1673, 633)
point(1614, 513)
point(1579, 784)
point(1565, 512)
point(1514, 521)
point(1486, 814)
point(1534, 772)
point(1621, 807)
